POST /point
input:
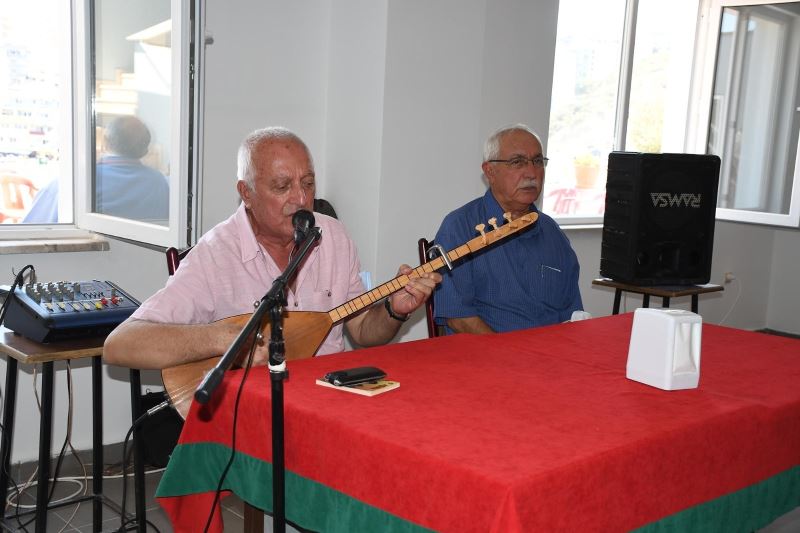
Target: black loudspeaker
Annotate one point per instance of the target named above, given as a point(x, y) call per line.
point(159, 432)
point(658, 227)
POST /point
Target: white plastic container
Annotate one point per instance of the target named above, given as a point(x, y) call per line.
point(664, 350)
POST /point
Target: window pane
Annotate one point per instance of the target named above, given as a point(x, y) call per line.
point(583, 105)
point(132, 111)
point(34, 110)
point(754, 115)
point(662, 63)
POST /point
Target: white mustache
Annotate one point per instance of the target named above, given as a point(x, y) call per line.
point(525, 184)
point(290, 211)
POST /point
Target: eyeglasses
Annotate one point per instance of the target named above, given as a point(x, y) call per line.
point(520, 162)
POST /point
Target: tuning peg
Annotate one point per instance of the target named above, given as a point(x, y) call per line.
point(493, 222)
point(511, 223)
point(480, 228)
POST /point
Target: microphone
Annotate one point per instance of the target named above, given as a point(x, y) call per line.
point(303, 221)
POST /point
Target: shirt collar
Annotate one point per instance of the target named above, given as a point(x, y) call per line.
point(248, 243)
point(247, 238)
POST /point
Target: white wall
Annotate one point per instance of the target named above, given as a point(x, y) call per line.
point(354, 128)
point(267, 67)
point(783, 305)
point(431, 147)
point(394, 98)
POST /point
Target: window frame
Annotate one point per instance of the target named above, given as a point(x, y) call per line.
point(624, 84)
point(187, 59)
point(698, 123)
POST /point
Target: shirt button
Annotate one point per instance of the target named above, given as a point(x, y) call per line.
point(296, 304)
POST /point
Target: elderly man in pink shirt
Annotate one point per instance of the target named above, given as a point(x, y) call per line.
point(234, 264)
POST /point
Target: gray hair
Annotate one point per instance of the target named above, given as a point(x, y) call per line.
point(127, 136)
point(244, 158)
point(491, 150)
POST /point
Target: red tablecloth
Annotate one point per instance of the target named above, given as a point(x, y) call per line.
point(537, 430)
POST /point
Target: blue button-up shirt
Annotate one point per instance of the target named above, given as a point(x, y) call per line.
point(528, 279)
point(123, 188)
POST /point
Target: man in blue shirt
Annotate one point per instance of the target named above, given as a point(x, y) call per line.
point(531, 278)
point(124, 187)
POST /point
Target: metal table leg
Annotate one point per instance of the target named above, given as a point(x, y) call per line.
point(8, 426)
point(138, 459)
point(45, 438)
point(97, 444)
point(617, 297)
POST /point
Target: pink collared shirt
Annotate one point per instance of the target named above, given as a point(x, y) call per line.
point(227, 271)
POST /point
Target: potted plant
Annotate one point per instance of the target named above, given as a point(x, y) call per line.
point(587, 168)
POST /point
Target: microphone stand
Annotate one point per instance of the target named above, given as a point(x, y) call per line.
point(273, 302)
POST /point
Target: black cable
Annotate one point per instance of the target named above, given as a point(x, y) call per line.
point(124, 520)
point(61, 454)
point(233, 436)
point(16, 491)
point(19, 280)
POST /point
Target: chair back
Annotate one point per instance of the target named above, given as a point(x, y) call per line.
point(174, 257)
point(323, 206)
point(16, 193)
point(423, 245)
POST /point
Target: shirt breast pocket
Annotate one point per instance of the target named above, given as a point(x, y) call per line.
point(551, 285)
point(318, 300)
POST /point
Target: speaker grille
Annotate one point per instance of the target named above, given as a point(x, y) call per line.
point(658, 227)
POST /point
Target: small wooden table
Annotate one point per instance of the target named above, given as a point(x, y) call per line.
point(664, 291)
point(18, 349)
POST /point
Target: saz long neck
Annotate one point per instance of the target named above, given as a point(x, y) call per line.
point(367, 299)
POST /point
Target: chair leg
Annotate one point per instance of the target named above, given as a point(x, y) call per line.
point(253, 519)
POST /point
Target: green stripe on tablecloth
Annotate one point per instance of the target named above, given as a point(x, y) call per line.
point(195, 468)
point(744, 510)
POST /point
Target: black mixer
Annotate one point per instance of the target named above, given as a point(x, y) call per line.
point(46, 312)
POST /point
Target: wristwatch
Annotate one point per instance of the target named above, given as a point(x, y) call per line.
point(392, 314)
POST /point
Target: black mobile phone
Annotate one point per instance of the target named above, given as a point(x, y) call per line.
point(353, 376)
